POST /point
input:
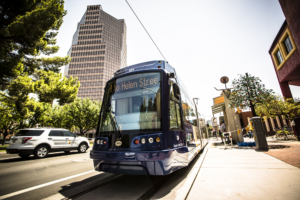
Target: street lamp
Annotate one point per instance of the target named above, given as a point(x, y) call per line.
point(196, 101)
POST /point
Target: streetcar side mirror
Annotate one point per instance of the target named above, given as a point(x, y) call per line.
point(176, 91)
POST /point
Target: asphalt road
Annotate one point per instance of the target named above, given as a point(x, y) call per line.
point(18, 174)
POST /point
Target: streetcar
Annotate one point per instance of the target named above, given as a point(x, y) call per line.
point(148, 124)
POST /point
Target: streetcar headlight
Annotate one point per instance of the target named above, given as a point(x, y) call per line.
point(98, 141)
point(157, 139)
point(150, 140)
point(177, 137)
point(143, 140)
point(101, 141)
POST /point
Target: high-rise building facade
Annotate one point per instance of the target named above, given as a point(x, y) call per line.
point(98, 50)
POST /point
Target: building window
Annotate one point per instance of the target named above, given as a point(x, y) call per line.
point(288, 45)
point(279, 57)
point(284, 49)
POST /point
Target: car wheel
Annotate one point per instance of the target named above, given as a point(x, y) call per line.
point(23, 156)
point(82, 148)
point(67, 152)
point(41, 152)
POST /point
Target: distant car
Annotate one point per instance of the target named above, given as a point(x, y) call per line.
point(41, 141)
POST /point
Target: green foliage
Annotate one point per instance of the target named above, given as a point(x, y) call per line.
point(83, 114)
point(248, 91)
point(12, 118)
point(7, 120)
point(50, 86)
point(18, 92)
point(278, 106)
point(28, 29)
point(27, 32)
point(38, 113)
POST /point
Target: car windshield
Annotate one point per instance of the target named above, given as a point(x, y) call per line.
point(132, 104)
point(30, 132)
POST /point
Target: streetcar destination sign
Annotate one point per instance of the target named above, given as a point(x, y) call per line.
point(136, 83)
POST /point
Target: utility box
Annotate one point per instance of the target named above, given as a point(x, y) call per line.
point(259, 134)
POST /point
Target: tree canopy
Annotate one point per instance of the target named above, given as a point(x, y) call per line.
point(289, 108)
point(84, 114)
point(27, 33)
point(50, 86)
point(249, 91)
point(27, 30)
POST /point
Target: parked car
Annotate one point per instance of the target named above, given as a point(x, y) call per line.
point(41, 141)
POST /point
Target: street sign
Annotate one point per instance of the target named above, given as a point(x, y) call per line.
point(224, 79)
point(214, 121)
point(202, 123)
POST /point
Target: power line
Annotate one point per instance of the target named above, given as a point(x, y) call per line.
point(145, 30)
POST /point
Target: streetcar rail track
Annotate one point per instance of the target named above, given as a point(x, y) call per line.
point(154, 189)
point(94, 187)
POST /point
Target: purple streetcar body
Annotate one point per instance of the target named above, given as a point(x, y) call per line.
point(148, 125)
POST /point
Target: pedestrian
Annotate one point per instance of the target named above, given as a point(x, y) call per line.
point(250, 133)
point(222, 129)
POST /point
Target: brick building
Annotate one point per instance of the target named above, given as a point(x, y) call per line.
point(285, 49)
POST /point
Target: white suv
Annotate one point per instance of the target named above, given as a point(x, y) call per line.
point(41, 141)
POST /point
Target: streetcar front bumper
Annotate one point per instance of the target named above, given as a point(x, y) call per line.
point(140, 163)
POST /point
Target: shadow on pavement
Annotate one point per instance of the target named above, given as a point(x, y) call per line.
point(176, 179)
point(80, 186)
point(128, 186)
point(31, 157)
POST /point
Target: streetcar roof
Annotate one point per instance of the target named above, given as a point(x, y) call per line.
point(155, 64)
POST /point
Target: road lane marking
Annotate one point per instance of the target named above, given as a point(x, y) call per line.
point(82, 160)
point(43, 185)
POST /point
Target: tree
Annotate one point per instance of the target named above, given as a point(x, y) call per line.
point(38, 113)
point(84, 114)
point(289, 108)
point(50, 86)
point(31, 114)
point(6, 121)
point(28, 29)
point(248, 92)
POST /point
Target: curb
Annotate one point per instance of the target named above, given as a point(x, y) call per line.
point(186, 188)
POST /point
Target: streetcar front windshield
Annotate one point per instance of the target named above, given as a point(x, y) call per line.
point(132, 104)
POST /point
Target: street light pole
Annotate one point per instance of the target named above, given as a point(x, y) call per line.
point(196, 103)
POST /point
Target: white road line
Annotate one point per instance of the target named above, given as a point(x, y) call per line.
point(43, 185)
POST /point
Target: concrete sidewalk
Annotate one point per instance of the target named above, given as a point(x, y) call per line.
point(245, 174)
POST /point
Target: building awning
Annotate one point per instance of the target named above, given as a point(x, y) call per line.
point(218, 108)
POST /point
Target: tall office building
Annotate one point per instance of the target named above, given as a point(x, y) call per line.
point(98, 50)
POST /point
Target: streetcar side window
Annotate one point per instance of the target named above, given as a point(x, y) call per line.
point(175, 117)
point(188, 110)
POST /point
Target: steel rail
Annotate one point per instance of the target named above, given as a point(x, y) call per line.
point(154, 189)
point(94, 187)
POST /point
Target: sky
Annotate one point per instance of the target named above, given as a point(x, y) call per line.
point(203, 40)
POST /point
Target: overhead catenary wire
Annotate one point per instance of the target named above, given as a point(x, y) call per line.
point(146, 30)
